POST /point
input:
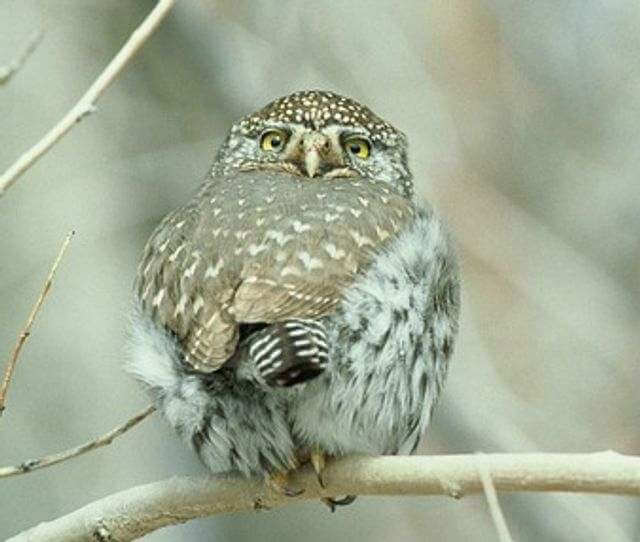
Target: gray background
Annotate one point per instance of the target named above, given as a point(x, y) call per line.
point(523, 119)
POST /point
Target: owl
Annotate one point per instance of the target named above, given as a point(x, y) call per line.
point(303, 303)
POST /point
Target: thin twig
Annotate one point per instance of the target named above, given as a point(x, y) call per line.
point(8, 71)
point(86, 104)
point(492, 499)
point(140, 510)
point(26, 331)
point(104, 440)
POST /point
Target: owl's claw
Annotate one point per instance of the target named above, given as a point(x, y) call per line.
point(332, 503)
point(318, 460)
point(278, 482)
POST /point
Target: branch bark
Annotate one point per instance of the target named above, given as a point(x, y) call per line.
point(86, 105)
point(140, 510)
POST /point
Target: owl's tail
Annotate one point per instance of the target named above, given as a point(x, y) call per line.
point(284, 354)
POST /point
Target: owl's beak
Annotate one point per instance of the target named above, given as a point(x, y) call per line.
point(314, 145)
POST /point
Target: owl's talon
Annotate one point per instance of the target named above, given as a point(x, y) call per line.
point(318, 461)
point(345, 501)
point(332, 503)
point(278, 482)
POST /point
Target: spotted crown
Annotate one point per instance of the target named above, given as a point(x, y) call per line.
point(318, 109)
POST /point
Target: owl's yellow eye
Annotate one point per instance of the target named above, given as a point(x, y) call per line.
point(358, 147)
point(273, 140)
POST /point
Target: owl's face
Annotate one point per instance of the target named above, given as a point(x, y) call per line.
point(318, 135)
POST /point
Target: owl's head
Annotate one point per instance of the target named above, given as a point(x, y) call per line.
point(318, 135)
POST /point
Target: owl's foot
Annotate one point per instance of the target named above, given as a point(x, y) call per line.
point(279, 483)
point(318, 460)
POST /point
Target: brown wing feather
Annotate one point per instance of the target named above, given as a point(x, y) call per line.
point(261, 247)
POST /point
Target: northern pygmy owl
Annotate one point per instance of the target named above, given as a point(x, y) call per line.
point(303, 302)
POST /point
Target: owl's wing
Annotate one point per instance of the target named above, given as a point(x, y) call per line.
point(207, 269)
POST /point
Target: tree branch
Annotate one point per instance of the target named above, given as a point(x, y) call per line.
point(26, 331)
point(8, 71)
point(140, 510)
point(86, 104)
point(104, 440)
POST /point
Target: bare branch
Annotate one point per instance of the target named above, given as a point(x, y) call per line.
point(26, 331)
point(140, 510)
point(8, 71)
point(86, 104)
point(104, 440)
point(492, 499)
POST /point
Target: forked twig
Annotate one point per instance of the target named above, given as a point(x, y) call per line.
point(26, 331)
point(494, 505)
point(104, 440)
point(86, 104)
point(8, 71)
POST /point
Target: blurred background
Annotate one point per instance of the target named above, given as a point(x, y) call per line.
point(523, 120)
